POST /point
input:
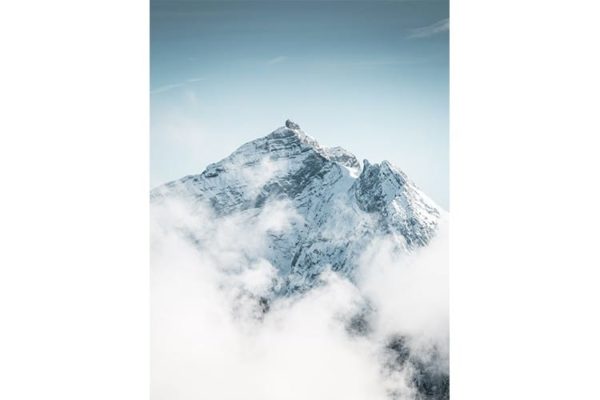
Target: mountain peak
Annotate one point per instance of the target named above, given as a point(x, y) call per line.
point(291, 124)
point(291, 134)
point(340, 206)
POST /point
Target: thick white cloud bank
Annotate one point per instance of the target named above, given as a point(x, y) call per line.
point(216, 336)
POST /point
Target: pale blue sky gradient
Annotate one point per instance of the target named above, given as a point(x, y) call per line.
point(370, 76)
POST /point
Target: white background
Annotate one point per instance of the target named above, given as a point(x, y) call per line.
point(74, 318)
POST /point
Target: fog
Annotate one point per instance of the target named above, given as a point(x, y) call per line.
point(219, 332)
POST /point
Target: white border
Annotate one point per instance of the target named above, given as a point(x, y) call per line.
point(524, 171)
point(74, 216)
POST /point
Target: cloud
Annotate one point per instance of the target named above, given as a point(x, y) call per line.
point(166, 88)
point(409, 292)
point(382, 62)
point(277, 60)
point(211, 336)
point(431, 30)
point(208, 338)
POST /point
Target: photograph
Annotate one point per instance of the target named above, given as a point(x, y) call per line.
point(299, 202)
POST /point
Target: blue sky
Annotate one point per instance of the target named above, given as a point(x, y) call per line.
point(370, 76)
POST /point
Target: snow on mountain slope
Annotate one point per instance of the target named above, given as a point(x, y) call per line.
point(340, 207)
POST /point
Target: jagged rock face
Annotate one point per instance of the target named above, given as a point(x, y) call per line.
point(341, 206)
point(385, 190)
point(430, 381)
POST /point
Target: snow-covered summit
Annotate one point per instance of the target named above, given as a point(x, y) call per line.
point(291, 124)
point(341, 206)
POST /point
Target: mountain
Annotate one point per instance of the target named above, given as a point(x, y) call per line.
point(341, 205)
point(334, 208)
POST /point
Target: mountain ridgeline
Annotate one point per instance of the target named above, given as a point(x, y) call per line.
point(342, 206)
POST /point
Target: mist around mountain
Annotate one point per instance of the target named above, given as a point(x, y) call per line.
point(292, 271)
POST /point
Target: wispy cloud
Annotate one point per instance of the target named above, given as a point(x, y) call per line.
point(276, 60)
point(430, 30)
point(166, 88)
point(382, 62)
point(210, 276)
